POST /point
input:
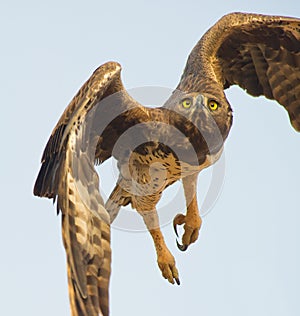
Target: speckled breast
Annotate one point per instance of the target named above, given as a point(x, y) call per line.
point(150, 172)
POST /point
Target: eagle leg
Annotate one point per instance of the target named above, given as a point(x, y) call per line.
point(192, 220)
point(165, 259)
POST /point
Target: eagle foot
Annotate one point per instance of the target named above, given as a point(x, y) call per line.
point(166, 263)
point(191, 229)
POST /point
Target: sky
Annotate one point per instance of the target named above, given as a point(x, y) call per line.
point(246, 261)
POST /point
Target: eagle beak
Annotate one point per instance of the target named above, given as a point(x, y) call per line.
point(200, 100)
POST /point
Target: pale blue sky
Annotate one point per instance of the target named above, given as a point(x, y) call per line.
point(246, 261)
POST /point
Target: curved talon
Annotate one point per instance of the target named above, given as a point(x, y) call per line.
point(175, 228)
point(191, 229)
point(181, 247)
point(179, 219)
point(177, 281)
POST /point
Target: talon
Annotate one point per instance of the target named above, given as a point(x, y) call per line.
point(179, 219)
point(181, 247)
point(175, 228)
point(191, 229)
point(177, 281)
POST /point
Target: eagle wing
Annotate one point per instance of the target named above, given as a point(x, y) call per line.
point(68, 173)
point(259, 53)
point(115, 112)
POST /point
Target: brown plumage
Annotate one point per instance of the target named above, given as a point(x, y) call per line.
point(156, 147)
point(67, 172)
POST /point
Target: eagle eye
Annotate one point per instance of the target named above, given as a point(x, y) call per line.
point(186, 103)
point(213, 105)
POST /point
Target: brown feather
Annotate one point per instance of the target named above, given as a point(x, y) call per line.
point(68, 172)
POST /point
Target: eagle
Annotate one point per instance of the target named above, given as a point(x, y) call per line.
point(155, 147)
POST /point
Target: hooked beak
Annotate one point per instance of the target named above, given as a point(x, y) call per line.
point(200, 100)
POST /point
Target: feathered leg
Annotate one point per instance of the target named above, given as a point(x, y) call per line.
point(165, 259)
point(145, 205)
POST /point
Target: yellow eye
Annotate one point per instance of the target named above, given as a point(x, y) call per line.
point(186, 103)
point(213, 105)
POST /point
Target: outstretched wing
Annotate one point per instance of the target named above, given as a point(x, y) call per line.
point(68, 173)
point(259, 53)
point(115, 112)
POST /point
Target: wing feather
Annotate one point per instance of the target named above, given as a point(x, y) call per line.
point(85, 227)
point(104, 84)
point(68, 172)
